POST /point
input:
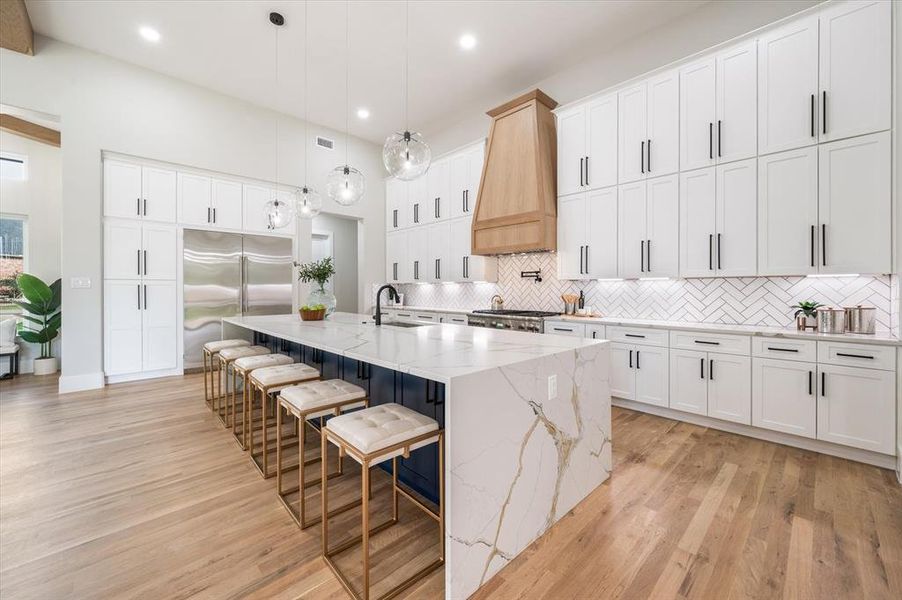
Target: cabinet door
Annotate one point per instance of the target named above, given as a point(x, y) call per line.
point(601, 143)
point(856, 407)
point(787, 87)
point(475, 160)
point(571, 150)
point(195, 193)
point(159, 194)
point(855, 75)
point(787, 213)
point(854, 205)
point(697, 114)
point(662, 248)
point(438, 240)
point(396, 204)
point(663, 145)
point(397, 269)
point(122, 326)
point(460, 249)
point(623, 375)
point(122, 249)
point(652, 378)
point(571, 236)
point(697, 223)
point(418, 254)
point(631, 228)
point(783, 396)
point(631, 133)
point(226, 204)
point(159, 313)
point(159, 251)
point(737, 213)
point(121, 189)
point(418, 204)
point(254, 207)
point(689, 381)
point(601, 234)
point(730, 388)
point(457, 175)
point(439, 187)
point(736, 130)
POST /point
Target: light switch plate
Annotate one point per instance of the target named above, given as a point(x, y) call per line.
point(80, 283)
point(552, 387)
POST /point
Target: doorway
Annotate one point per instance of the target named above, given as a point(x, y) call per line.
point(337, 237)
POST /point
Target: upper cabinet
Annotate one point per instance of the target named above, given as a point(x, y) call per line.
point(465, 171)
point(139, 192)
point(648, 122)
point(587, 235)
point(255, 199)
point(395, 204)
point(648, 228)
point(210, 203)
point(587, 146)
point(438, 191)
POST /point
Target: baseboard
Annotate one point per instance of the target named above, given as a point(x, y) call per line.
point(143, 375)
point(884, 461)
point(78, 383)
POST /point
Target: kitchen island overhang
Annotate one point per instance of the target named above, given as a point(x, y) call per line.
point(527, 420)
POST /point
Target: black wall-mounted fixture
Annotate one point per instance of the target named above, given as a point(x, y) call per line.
point(534, 275)
point(276, 19)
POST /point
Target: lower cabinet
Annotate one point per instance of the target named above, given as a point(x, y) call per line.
point(783, 396)
point(856, 407)
point(140, 326)
point(711, 384)
point(639, 373)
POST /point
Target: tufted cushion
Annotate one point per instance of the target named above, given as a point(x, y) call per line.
point(284, 374)
point(379, 427)
point(214, 347)
point(249, 363)
point(8, 331)
point(307, 397)
point(242, 351)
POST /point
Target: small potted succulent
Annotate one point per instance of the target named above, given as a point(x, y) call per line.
point(806, 314)
point(318, 272)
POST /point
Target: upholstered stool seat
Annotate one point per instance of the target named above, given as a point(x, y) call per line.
point(241, 369)
point(227, 356)
point(371, 436)
point(210, 351)
point(315, 399)
point(283, 375)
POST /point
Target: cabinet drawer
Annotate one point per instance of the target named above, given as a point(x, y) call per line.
point(565, 328)
point(427, 317)
point(784, 349)
point(857, 355)
point(712, 342)
point(637, 335)
point(595, 332)
point(404, 315)
point(454, 319)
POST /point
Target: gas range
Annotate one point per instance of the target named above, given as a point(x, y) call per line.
point(517, 320)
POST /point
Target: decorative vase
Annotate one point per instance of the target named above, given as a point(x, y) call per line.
point(324, 297)
point(45, 366)
point(804, 322)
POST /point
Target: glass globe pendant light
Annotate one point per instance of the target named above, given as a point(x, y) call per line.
point(279, 212)
point(310, 203)
point(406, 155)
point(345, 184)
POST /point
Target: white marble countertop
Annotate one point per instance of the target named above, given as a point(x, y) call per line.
point(884, 338)
point(438, 352)
point(430, 309)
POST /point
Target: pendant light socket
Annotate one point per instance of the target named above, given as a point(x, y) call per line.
point(276, 19)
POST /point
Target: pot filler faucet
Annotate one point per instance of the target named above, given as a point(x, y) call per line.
point(392, 295)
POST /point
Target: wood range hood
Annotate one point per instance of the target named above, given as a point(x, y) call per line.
point(516, 209)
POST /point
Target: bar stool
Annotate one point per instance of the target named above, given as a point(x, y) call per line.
point(227, 356)
point(243, 367)
point(371, 436)
point(210, 354)
point(309, 401)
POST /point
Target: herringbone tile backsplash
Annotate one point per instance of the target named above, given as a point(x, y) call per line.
point(743, 300)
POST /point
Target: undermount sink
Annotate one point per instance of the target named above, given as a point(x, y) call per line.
point(406, 324)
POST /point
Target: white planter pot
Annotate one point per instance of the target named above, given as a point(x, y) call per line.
point(45, 366)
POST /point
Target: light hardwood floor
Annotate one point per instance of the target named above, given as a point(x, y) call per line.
point(136, 491)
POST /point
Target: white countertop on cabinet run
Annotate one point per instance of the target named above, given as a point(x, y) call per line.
point(438, 352)
point(883, 338)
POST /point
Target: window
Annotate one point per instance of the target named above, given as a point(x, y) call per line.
point(12, 255)
point(13, 166)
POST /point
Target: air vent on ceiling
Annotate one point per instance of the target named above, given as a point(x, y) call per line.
point(325, 143)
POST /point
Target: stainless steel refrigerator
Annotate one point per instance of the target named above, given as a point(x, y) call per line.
point(230, 274)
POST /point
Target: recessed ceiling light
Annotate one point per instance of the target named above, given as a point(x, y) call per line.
point(467, 41)
point(149, 33)
point(363, 113)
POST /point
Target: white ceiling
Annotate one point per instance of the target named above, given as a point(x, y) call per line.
point(230, 47)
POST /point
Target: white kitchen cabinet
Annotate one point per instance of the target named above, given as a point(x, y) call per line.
point(632, 127)
point(788, 86)
point(855, 70)
point(595, 332)
point(689, 381)
point(122, 249)
point(571, 235)
point(418, 253)
point(631, 229)
point(195, 196)
point(587, 146)
point(465, 172)
point(396, 205)
point(159, 197)
point(438, 185)
point(623, 377)
point(159, 251)
point(698, 222)
point(397, 267)
point(254, 202)
point(587, 235)
point(648, 228)
point(122, 344)
point(697, 114)
point(565, 328)
point(663, 143)
point(736, 128)
point(639, 373)
point(465, 266)
point(438, 267)
point(783, 396)
point(571, 150)
point(159, 321)
point(419, 205)
point(856, 407)
point(854, 205)
point(136, 192)
point(225, 205)
point(730, 388)
point(454, 318)
point(787, 212)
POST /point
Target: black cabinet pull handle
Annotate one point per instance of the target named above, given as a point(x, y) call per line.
point(642, 156)
point(593, 334)
point(416, 269)
point(642, 256)
point(710, 251)
point(707, 343)
point(811, 110)
point(711, 141)
point(438, 268)
point(718, 251)
point(145, 297)
point(637, 360)
point(718, 139)
point(581, 260)
point(633, 335)
point(139, 296)
point(436, 208)
point(812, 244)
point(631, 359)
point(138, 206)
point(824, 243)
point(854, 355)
point(139, 262)
point(782, 349)
point(581, 171)
point(214, 214)
point(562, 329)
point(648, 256)
point(587, 170)
point(394, 217)
point(824, 110)
point(701, 363)
point(145, 200)
point(823, 383)
point(711, 369)
point(467, 205)
point(810, 392)
point(145, 262)
point(648, 161)
point(416, 213)
point(587, 260)
point(208, 214)
point(394, 270)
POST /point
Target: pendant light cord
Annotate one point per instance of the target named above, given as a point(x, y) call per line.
point(306, 139)
point(407, 65)
point(277, 113)
point(347, 77)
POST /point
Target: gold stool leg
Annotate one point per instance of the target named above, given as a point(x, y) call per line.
point(441, 495)
point(206, 390)
point(302, 438)
point(365, 541)
point(265, 459)
point(324, 490)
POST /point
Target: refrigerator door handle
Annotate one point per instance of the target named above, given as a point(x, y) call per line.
point(241, 290)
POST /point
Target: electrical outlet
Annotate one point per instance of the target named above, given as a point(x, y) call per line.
point(80, 282)
point(552, 387)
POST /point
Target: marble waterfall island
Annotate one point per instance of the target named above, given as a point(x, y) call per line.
point(527, 420)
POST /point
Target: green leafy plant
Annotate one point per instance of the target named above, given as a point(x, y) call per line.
point(807, 308)
point(318, 270)
point(42, 302)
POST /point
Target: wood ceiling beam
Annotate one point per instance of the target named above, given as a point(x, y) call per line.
point(16, 33)
point(29, 130)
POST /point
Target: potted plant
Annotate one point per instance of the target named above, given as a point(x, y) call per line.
point(316, 312)
point(318, 272)
point(42, 305)
point(806, 314)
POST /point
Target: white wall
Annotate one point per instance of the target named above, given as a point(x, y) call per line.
point(707, 26)
point(346, 288)
point(106, 104)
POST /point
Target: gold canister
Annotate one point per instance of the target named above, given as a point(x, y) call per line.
point(861, 319)
point(831, 320)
